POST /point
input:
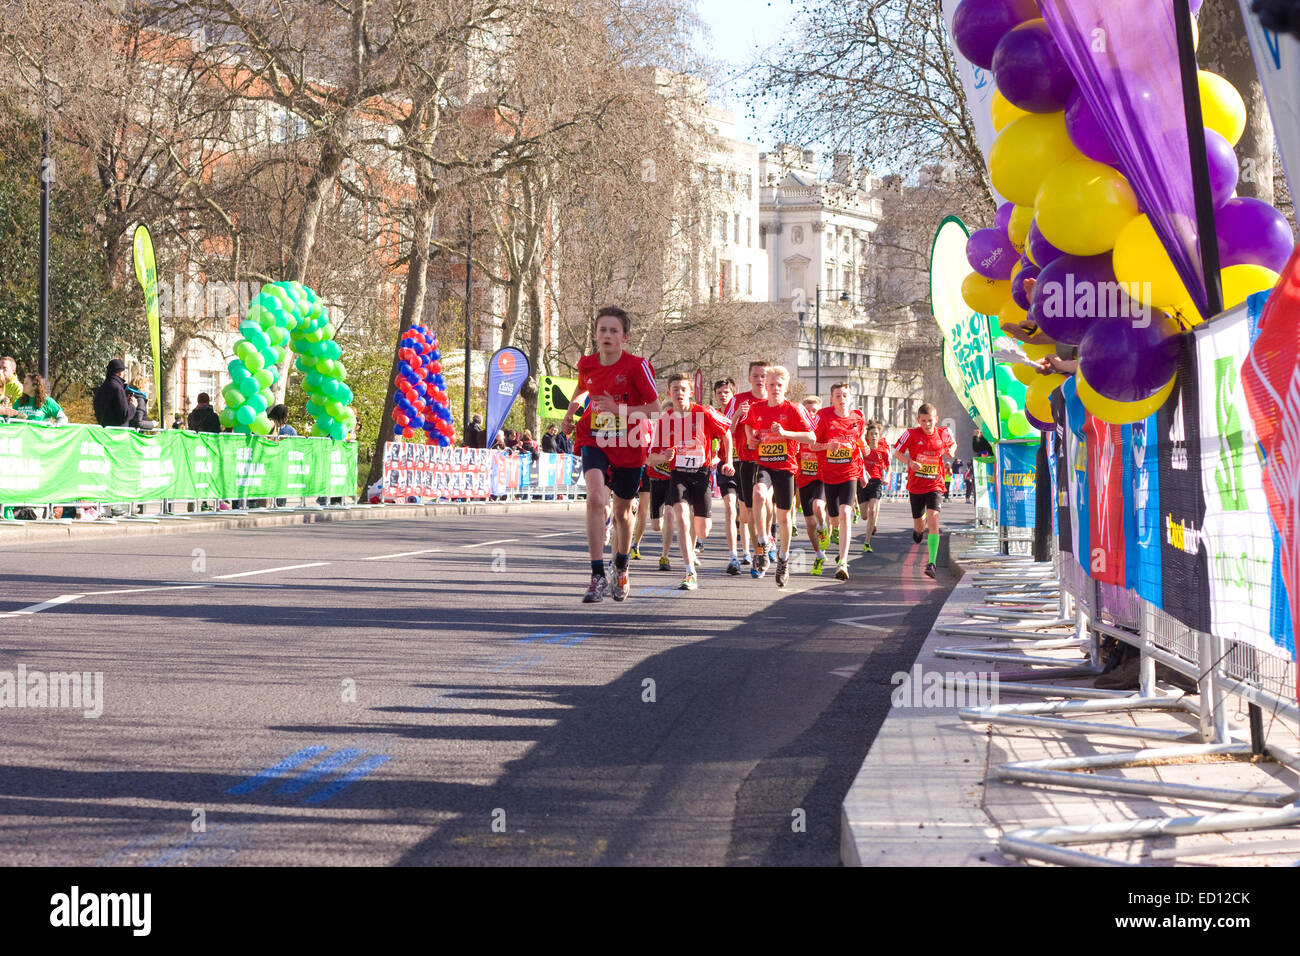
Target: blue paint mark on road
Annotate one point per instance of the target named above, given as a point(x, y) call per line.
point(352, 776)
point(327, 765)
point(279, 770)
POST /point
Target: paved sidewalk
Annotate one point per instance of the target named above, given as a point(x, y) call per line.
point(928, 793)
point(29, 532)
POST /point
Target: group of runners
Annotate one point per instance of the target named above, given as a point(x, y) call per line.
point(762, 449)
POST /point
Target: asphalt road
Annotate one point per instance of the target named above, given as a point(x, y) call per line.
point(433, 691)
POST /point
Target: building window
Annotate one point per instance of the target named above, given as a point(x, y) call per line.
point(722, 226)
point(749, 187)
point(749, 233)
point(749, 279)
point(830, 278)
point(736, 228)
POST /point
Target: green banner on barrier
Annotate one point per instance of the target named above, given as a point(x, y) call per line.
point(41, 463)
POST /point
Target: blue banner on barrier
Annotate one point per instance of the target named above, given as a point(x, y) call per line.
point(1016, 481)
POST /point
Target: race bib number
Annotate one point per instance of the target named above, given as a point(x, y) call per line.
point(772, 451)
point(808, 465)
point(839, 454)
point(608, 426)
point(927, 469)
point(692, 460)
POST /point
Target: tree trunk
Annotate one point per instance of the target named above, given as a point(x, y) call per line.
point(1225, 50)
point(536, 336)
point(417, 281)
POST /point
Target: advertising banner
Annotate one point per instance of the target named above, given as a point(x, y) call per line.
point(507, 371)
point(977, 86)
point(1105, 501)
point(1017, 477)
point(146, 273)
point(1277, 60)
point(1142, 530)
point(554, 395)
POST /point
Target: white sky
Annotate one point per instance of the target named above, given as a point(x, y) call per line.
point(740, 29)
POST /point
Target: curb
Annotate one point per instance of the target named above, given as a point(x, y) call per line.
point(30, 532)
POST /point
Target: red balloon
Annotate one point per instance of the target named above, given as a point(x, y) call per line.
point(435, 368)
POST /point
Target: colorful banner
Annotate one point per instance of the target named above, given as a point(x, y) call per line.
point(554, 395)
point(1142, 534)
point(1061, 473)
point(41, 464)
point(1017, 479)
point(507, 371)
point(1277, 60)
point(146, 273)
point(965, 332)
point(1105, 501)
point(978, 86)
point(427, 471)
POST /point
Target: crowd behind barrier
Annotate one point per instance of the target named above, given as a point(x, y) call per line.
point(46, 467)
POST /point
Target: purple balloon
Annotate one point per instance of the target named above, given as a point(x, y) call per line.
point(1072, 292)
point(1040, 425)
point(1003, 217)
point(1018, 292)
point(1030, 70)
point(1127, 360)
point(1252, 232)
point(1223, 167)
point(978, 25)
point(990, 254)
point(1039, 248)
point(1085, 132)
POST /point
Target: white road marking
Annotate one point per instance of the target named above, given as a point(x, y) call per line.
point(484, 544)
point(401, 554)
point(44, 605)
point(291, 567)
point(164, 587)
point(558, 534)
point(845, 672)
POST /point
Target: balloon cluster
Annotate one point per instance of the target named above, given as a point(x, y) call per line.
point(421, 401)
point(1103, 280)
point(287, 314)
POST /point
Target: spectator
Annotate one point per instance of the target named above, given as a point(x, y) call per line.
point(512, 439)
point(548, 440)
point(474, 433)
point(204, 417)
point(527, 444)
point(10, 388)
point(280, 427)
point(500, 443)
point(138, 394)
point(112, 407)
point(177, 421)
point(36, 405)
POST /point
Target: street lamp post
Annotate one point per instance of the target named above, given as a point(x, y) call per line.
point(817, 347)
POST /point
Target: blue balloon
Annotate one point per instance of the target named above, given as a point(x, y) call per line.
point(404, 368)
point(397, 431)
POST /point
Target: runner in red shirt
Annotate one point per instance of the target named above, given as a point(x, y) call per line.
point(773, 430)
point(745, 472)
point(812, 494)
point(612, 440)
point(649, 510)
point(683, 443)
point(724, 390)
point(924, 448)
point(839, 433)
point(875, 464)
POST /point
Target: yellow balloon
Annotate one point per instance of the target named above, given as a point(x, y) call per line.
point(1240, 282)
point(1004, 112)
point(1121, 413)
point(1022, 217)
point(1037, 352)
point(1025, 152)
point(1038, 397)
point(985, 296)
point(1144, 268)
point(1082, 206)
point(1024, 374)
point(1222, 107)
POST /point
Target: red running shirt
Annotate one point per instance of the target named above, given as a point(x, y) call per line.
point(736, 410)
point(774, 452)
point(689, 437)
point(927, 453)
point(630, 382)
point(877, 460)
point(845, 464)
point(809, 467)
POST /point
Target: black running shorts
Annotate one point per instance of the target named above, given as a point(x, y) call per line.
point(623, 482)
point(781, 483)
point(693, 488)
point(923, 503)
point(809, 494)
point(841, 494)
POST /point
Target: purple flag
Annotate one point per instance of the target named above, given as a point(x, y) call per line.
point(507, 371)
point(1125, 56)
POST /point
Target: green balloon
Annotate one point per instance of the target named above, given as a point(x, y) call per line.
point(261, 425)
point(345, 394)
point(230, 392)
point(314, 410)
point(264, 378)
point(267, 396)
point(245, 414)
point(253, 360)
point(325, 367)
point(305, 363)
point(247, 386)
point(335, 410)
point(1019, 425)
point(256, 403)
point(237, 369)
point(227, 416)
point(340, 370)
point(331, 350)
point(1006, 406)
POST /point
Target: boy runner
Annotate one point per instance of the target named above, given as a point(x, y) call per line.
point(611, 438)
point(683, 442)
point(650, 503)
point(724, 391)
point(812, 496)
point(923, 448)
point(874, 465)
point(772, 429)
point(736, 411)
point(839, 434)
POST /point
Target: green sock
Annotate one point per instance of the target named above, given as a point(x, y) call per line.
point(934, 548)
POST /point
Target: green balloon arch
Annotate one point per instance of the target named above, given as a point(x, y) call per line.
point(288, 314)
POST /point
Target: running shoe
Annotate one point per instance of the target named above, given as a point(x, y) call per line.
point(782, 572)
point(917, 536)
point(835, 535)
point(818, 564)
point(760, 563)
point(635, 553)
point(823, 538)
point(744, 559)
point(930, 570)
point(699, 545)
point(664, 564)
point(733, 567)
point(842, 573)
point(596, 590)
point(866, 547)
point(689, 583)
point(619, 588)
